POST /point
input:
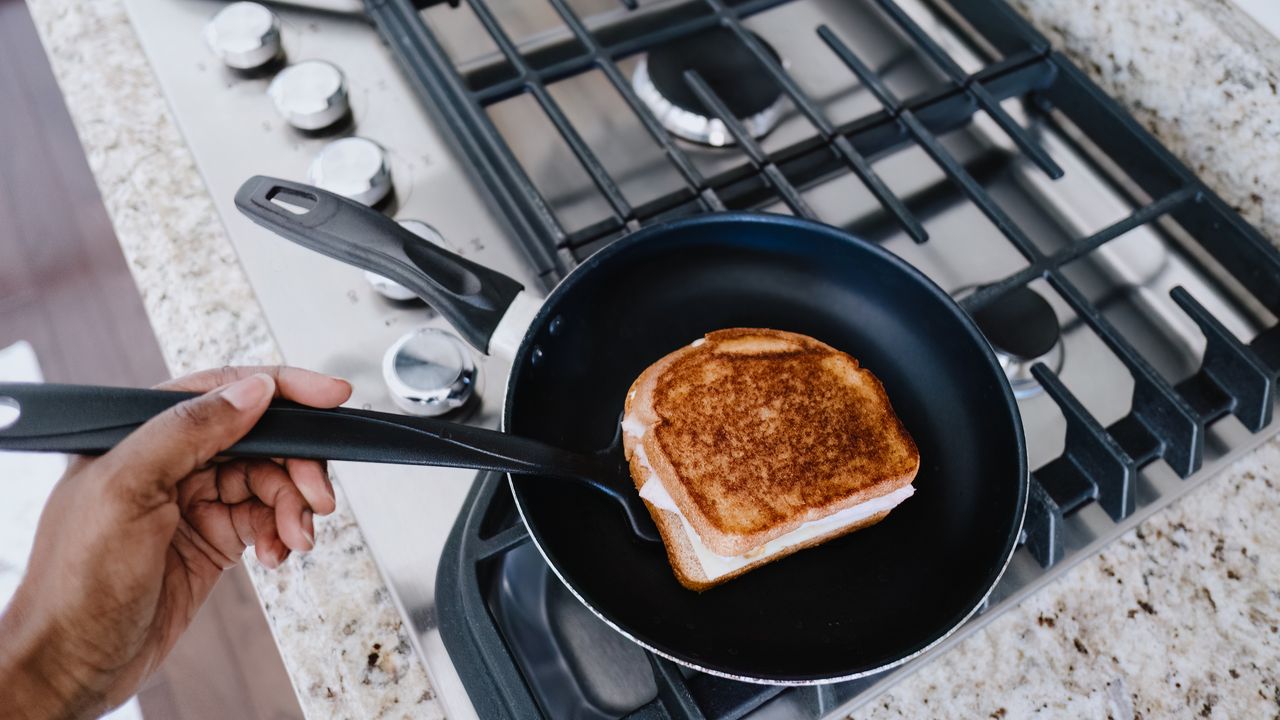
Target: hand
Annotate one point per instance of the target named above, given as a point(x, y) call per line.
point(130, 543)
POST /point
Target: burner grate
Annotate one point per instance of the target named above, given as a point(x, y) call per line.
point(1168, 421)
point(555, 250)
point(1163, 424)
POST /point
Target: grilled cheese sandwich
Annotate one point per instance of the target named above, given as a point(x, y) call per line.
point(766, 443)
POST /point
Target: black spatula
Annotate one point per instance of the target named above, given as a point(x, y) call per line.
point(88, 419)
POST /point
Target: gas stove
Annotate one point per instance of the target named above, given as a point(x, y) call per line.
point(1134, 313)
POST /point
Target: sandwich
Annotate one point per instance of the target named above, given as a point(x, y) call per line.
point(749, 445)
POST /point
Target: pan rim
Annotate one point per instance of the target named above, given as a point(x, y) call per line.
point(970, 327)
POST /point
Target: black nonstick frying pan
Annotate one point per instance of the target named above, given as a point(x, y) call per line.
point(850, 607)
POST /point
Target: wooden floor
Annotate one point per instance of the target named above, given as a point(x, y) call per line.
point(65, 288)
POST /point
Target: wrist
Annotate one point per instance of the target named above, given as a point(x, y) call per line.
point(37, 674)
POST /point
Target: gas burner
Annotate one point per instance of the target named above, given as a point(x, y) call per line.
point(728, 67)
point(1023, 330)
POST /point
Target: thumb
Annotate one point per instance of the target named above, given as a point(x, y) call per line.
point(173, 444)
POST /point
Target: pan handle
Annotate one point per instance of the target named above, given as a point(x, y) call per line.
point(89, 419)
point(471, 297)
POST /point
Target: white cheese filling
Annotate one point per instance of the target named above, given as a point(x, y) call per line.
point(714, 565)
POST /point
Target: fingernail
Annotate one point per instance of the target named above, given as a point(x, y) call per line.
point(267, 558)
point(249, 392)
point(307, 528)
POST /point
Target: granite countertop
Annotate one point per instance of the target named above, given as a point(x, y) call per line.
point(1179, 617)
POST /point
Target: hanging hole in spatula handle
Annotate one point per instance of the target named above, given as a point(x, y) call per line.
point(10, 409)
point(471, 297)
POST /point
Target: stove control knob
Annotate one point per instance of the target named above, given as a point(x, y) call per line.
point(310, 95)
point(429, 372)
point(245, 35)
point(353, 167)
point(390, 289)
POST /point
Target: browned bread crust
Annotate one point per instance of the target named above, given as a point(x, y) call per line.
point(755, 432)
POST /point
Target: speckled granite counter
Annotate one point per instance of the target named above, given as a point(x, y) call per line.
point(1201, 75)
point(1178, 618)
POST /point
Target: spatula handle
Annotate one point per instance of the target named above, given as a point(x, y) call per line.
point(88, 419)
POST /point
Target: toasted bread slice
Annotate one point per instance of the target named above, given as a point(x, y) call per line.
point(760, 435)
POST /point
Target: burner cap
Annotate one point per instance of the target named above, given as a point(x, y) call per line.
point(724, 62)
point(728, 67)
point(1021, 324)
point(1023, 330)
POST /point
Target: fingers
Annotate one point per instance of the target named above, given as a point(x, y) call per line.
point(173, 444)
point(220, 507)
point(270, 505)
point(268, 483)
point(255, 524)
point(303, 386)
point(312, 480)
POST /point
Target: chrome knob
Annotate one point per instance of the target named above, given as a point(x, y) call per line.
point(310, 95)
point(429, 372)
point(390, 289)
point(244, 35)
point(353, 167)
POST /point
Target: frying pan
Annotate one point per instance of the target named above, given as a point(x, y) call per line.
point(850, 607)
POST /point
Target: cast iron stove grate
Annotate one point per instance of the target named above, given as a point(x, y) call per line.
point(1099, 463)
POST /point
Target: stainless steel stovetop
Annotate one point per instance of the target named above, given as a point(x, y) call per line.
point(326, 316)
